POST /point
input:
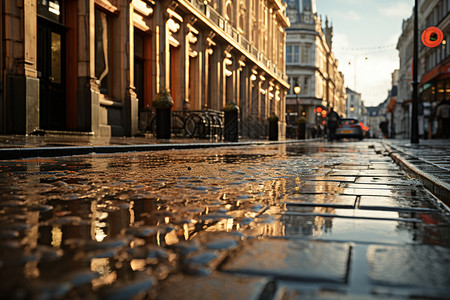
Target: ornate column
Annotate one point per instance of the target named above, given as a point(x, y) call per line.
point(21, 110)
point(227, 75)
point(209, 67)
point(192, 68)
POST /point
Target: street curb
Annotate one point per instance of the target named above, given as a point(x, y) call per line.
point(436, 186)
point(20, 153)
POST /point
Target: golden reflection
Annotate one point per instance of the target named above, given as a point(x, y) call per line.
point(31, 269)
point(186, 231)
point(97, 230)
point(137, 264)
point(171, 238)
point(56, 237)
point(158, 238)
point(101, 266)
point(166, 220)
point(228, 224)
point(132, 216)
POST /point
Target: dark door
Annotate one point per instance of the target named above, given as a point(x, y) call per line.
point(51, 73)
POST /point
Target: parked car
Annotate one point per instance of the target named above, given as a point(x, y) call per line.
point(349, 128)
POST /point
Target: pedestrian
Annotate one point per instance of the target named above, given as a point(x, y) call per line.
point(333, 120)
point(384, 126)
point(443, 116)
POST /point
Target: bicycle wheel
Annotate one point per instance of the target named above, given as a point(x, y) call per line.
point(193, 125)
point(152, 124)
point(177, 125)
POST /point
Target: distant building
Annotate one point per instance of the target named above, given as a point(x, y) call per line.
point(433, 70)
point(93, 66)
point(311, 66)
point(373, 119)
point(354, 105)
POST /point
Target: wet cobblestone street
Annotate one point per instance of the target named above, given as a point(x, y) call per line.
point(284, 221)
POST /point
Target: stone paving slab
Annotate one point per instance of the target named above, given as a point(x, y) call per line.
point(410, 265)
point(216, 286)
point(397, 231)
point(367, 173)
point(293, 259)
point(387, 181)
point(395, 203)
point(320, 200)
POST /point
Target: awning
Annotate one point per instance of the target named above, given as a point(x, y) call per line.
point(437, 73)
point(391, 104)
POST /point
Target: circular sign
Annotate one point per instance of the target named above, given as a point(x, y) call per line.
point(432, 37)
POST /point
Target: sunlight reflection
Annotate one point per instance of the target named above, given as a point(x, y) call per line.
point(56, 237)
point(138, 264)
point(98, 227)
point(101, 266)
point(171, 238)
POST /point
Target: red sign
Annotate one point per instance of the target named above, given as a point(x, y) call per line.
point(432, 37)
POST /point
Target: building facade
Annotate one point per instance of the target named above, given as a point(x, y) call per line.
point(354, 105)
point(433, 70)
point(373, 118)
point(311, 66)
point(92, 66)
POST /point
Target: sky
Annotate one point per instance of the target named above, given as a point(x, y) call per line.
point(365, 36)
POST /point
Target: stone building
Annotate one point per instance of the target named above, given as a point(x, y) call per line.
point(354, 105)
point(433, 70)
point(311, 65)
point(91, 66)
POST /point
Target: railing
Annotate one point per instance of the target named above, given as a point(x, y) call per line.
point(202, 124)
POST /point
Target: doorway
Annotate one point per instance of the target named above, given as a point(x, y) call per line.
point(51, 74)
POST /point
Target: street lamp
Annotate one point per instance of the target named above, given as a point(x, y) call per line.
point(415, 83)
point(297, 90)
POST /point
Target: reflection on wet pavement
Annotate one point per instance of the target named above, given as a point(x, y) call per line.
point(273, 221)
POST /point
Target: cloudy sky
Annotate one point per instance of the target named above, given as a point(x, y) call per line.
point(365, 37)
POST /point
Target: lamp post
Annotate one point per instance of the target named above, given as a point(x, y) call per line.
point(415, 97)
point(297, 90)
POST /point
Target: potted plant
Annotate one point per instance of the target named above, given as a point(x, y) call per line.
point(163, 104)
point(231, 122)
point(273, 127)
point(301, 128)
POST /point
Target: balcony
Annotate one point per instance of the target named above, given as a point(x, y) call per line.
point(228, 29)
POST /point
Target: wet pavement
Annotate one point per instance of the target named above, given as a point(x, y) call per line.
point(277, 221)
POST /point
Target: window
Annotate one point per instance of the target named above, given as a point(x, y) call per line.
point(306, 53)
point(306, 86)
point(292, 54)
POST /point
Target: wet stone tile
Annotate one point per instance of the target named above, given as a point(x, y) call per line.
point(293, 259)
point(353, 229)
point(378, 192)
point(329, 178)
point(323, 200)
point(387, 181)
point(410, 265)
point(216, 286)
point(396, 203)
point(367, 173)
point(296, 291)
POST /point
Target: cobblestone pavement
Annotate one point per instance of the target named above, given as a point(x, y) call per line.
point(285, 221)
